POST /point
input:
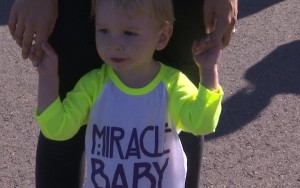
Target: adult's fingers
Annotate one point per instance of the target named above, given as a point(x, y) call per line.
point(40, 38)
point(227, 35)
point(216, 35)
point(216, 23)
point(235, 10)
point(233, 20)
point(13, 18)
point(221, 27)
point(223, 21)
point(27, 42)
point(18, 35)
point(209, 18)
point(220, 24)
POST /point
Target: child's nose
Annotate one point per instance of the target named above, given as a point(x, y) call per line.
point(116, 44)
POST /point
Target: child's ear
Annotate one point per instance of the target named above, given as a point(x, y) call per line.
point(164, 37)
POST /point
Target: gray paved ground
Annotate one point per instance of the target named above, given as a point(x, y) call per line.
point(257, 143)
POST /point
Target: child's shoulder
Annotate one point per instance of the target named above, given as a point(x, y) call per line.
point(94, 75)
point(172, 74)
point(169, 71)
point(97, 72)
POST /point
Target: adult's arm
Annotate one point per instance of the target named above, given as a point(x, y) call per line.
point(32, 22)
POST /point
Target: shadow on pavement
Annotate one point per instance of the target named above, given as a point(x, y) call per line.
point(277, 73)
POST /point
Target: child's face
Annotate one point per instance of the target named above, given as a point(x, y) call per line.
point(127, 39)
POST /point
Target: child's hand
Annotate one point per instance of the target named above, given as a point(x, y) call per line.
point(206, 60)
point(49, 64)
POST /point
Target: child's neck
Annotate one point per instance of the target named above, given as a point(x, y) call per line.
point(139, 79)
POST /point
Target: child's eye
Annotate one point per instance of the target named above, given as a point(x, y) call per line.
point(130, 33)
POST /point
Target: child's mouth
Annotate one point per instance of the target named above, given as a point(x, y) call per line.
point(117, 60)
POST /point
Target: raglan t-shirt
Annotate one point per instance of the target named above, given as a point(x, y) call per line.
point(132, 134)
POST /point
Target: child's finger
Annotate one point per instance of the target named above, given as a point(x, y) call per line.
point(35, 63)
point(32, 55)
point(48, 50)
point(199, 46)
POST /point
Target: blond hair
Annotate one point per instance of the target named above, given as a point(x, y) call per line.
point(162, 10)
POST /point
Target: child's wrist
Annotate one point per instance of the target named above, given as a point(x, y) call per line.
point(209, 77)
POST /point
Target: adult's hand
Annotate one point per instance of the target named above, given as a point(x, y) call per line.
point(32, 21)
point(220, 17)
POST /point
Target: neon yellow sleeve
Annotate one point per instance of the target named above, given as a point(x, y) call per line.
point(62, 120)
point(194, 110)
